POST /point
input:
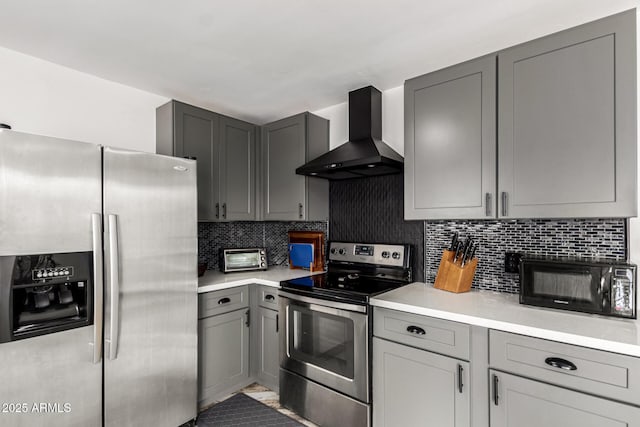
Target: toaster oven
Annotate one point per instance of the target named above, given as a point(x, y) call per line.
point(242, 259)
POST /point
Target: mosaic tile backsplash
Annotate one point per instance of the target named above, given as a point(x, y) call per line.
point(583, 238)
point(245, 234)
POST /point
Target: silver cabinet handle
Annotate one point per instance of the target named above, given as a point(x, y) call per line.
point(224, 211)
point(505, 199)
point(114, 285)
point(300, 211)
point(487, 203)
point(98, 289)
point(217, 210)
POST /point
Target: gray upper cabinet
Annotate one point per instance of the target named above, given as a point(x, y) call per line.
point(450, 142)
point(237, 169)
point(225, 149)
point(186, 131)
point(285, 145)
point(567, 123)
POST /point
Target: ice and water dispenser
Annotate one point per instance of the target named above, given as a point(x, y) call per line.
point(45, 293)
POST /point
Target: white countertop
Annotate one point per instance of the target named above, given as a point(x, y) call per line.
point(214, 280)
point(502, 311)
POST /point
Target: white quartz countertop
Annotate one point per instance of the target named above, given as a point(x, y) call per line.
point(502, 311)
point(214, 280)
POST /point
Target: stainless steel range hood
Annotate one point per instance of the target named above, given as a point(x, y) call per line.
point(365, 154)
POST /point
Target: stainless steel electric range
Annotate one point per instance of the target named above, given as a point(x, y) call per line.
point(325, 347)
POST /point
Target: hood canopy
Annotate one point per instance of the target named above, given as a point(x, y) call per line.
point(365, 154)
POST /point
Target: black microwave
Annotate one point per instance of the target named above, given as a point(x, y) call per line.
point(589, 286)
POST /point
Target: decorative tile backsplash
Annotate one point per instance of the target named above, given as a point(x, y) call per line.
point(583, 238)
point(371, 210)
point(246, 234)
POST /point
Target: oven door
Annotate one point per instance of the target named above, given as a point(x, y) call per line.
point(326, 342)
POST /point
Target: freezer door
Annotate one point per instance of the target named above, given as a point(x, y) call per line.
point(150, 368)
point(49, 189)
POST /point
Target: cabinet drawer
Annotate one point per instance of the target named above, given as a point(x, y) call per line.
point(268, 297)
point(440, 336)
point(218, 302)
point(584, 369)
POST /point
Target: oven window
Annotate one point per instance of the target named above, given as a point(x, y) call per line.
point(571, 286)
point(243, 259)
point(322, 339)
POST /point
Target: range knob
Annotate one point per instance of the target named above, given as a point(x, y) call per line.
point(396, 255)
point(341, 251)
point(385, 254)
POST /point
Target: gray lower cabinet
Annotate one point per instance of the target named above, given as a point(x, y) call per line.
point(413, 387)
point(450, 142)
point(225, 149)
point(223, 348)
point(286, 145)
point(521, 402)
point(567, 123)
point(267, 351)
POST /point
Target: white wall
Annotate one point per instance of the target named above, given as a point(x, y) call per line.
point(40, 97)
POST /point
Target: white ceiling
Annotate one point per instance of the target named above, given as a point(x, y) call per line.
point(262, 60)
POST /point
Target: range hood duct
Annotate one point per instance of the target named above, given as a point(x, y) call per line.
point(365, 154)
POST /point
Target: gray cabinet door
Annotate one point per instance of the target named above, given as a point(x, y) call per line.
point(522, 402)
point(567, 123)
point(268, 360)
point(450, 142)
point(196, 135)
point(237, 166)
point(283, 150)
point(414, 387)
point(223, 344)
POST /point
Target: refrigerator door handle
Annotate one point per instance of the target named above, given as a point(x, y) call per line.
point(114, 285)
point(98, 289)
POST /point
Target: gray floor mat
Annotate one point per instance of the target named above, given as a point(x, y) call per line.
point(242, 410)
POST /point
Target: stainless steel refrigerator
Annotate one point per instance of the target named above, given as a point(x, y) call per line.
point(98, 285)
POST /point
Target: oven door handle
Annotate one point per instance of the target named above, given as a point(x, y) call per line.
point(325, 303)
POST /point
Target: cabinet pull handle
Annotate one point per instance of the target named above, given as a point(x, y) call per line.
point(415, 330)
point(248, 322)
point(224, 300)
point(495, 390)
point(487, 204)
point(277, 323)
point(505, 199)
point(217, 210)
point(224, 211)
point(269, 297)
point(460, 370)
point(300, 212)
point(560, 363)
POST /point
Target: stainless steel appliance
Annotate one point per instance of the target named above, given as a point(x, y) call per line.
point(245, 259)
point(98, 286)
point(606, 288)
point(325, 350)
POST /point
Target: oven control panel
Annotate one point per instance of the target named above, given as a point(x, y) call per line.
point(378, 254)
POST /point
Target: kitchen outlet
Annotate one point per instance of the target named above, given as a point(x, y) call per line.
point(512, 262)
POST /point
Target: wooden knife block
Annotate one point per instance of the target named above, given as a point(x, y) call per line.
point(452, 277)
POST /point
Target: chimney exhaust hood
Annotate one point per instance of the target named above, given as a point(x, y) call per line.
point(365, 154)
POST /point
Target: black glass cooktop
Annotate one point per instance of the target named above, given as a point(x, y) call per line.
point(341, 287)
